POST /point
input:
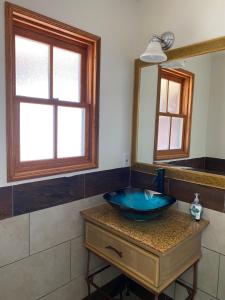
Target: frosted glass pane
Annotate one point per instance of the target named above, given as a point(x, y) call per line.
point(163, 133)
point(176, 133)
point(32, 68)
point(36, 131)
point(174, 97)
point(71, 131)
point(66, 75)
point(163, 95)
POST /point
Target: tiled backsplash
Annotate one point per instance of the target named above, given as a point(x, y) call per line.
point(211, 270)
point(29, 197)
point(43, 256)
point(52, 238)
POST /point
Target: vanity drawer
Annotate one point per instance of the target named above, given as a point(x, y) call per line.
point(138, 263)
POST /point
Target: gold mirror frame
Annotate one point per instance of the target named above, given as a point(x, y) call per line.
point(208, 179)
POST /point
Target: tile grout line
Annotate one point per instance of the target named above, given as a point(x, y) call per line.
point(64, 242)
point(218, 278)
point(29, 233)
point(84, 186)
point(12, 200)
point(58, 288)
point(207, 293)
point(70, 260)
point(223, 254)
point(33, 254)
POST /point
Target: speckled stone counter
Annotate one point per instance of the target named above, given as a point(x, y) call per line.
point(159, 236)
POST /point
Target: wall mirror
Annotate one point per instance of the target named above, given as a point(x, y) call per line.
point(179, 114)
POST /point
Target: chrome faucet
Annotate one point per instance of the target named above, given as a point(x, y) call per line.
point(159, 180)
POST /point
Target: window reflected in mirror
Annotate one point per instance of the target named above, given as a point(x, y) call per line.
point(173, 114)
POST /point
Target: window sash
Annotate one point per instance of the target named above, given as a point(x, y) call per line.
point(23, 22)
point(171, 116)
point(53, 101)
point(185, 78)
point(172, 78)
point(57, 43)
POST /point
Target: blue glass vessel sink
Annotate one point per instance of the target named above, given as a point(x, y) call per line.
point(139, 204)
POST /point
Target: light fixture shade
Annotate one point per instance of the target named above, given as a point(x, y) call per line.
point(153, 53)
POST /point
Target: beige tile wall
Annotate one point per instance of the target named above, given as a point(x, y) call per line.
point(42, 256)
point(14, 239)
point(211, 269)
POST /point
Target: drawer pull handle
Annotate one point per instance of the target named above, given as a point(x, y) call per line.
point(115, 250)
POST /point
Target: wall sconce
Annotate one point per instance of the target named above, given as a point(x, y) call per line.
point(154, 52)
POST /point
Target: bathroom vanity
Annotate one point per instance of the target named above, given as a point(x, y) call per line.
point(154, 253)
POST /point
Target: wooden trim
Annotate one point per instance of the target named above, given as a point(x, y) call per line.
point(172, 115)
point(30, 16)
point(135, 121)
point(207, 179)
point(24, 22)
point(204, 47)
point(52, 101)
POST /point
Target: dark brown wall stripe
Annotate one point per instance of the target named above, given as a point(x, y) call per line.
point(106, 181)
point(34, 196)
point(29, 197)
point(5, 202)
point(43, 194)
point(205, 164)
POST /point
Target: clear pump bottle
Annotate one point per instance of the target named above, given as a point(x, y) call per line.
point(196, 208)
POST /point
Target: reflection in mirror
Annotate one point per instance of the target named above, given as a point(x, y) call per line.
point(146, 114)
point(207, 142)
point(173, 114)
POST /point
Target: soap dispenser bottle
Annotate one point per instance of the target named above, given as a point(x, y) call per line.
point(196, 208)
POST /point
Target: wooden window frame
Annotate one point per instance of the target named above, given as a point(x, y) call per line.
point(29, 24)
point(186, 79)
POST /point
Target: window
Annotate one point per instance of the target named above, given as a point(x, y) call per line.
point(52, 76)
point(173, 114)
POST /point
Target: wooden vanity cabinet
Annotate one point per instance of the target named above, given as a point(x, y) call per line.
point(133, 248)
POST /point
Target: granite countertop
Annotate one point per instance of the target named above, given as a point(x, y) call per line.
point(159, 235)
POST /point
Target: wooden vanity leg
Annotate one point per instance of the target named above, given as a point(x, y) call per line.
point(87, 274)
point(195, 279)
point(191, 290)
point(156, 297)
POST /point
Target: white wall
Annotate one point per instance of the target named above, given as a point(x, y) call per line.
point(216, 120)
point(192, 21)
point(147, 112)
point(117, 23)
point(201, 67)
